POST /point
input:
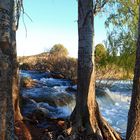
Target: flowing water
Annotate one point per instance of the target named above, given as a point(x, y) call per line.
point(52, 98)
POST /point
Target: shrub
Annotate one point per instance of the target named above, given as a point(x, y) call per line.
point(59, 50)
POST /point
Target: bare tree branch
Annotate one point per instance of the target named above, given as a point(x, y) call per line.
point(99, 6)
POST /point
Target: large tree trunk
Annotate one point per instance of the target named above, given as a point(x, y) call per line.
point(86, 118)
point(133, 128)
point(6, 99)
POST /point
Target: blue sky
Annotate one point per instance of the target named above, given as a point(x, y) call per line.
point(53, 22)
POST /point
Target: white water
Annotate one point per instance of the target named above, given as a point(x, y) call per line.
point(116, 113)
point(114, 102)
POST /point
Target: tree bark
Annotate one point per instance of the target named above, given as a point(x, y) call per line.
point(6, 99)
point(133, 128)
point(87, 122)
point(10, 116)
point(15, 80)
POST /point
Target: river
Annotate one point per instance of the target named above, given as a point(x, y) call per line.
point(52, 98)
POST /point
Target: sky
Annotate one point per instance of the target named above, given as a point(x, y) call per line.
point(53, 22)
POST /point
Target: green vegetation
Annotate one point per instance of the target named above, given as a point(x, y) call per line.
point(108, 66)
point(100, 54)
point(58, 50)
point(114, 60)
point(122, 34)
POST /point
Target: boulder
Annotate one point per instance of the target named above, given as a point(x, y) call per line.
point(40, 114)
point(27, 82)
point(56, 75)
point(61, 99)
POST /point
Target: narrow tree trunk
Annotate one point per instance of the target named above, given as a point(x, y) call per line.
point(6, 104)
point(19, 124)
point(133, 128)
point(15, 80)
point(87, 120)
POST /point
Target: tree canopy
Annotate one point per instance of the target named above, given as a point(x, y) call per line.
point(59, 49)
point(122, 32)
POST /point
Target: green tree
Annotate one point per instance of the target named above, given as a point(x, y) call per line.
point(122, 33)
point(100, 54)
point(59, 50)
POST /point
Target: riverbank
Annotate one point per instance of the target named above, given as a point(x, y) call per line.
point(67, 67)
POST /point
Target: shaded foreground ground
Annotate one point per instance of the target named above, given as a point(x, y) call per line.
point(28, 130)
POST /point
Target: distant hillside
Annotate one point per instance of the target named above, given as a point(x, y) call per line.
point(32, 59)
point(56, 61)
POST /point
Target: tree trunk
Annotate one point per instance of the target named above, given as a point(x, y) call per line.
point(87, 122)
point(6, 100)
point(133, 128)
point(15, 80)
point(9, 76)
